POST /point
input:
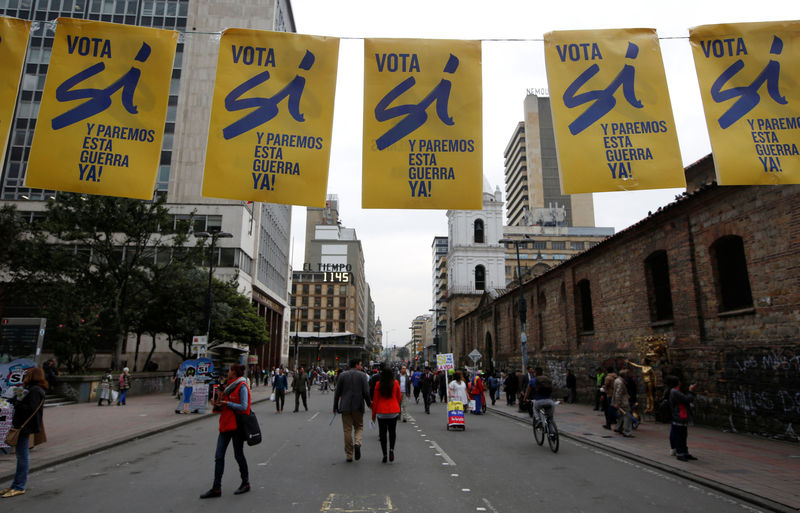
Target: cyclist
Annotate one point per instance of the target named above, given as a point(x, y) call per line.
point(541, 388)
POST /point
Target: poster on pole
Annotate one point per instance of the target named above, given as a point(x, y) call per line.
point(445, 361)
point(272, 117)
point(13, 44)
point(612, 114)
point(11, 374)
point(422, 142)
point(195, 376)
point(750, 86)
point(103, 110)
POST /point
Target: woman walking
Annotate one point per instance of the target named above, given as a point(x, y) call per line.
point(386, 407)
point(235, 401)
point(28, 418)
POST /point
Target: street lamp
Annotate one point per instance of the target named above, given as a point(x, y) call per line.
point(523, 310)
point(209, 298)
point(436, 328)
point(296, 336)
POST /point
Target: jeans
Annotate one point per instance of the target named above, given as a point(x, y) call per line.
point(123, 394)
point(390, 426)
point(678, 436)
point(23, 463)
point(280, 399)
point(549, 408)
point(219, 457)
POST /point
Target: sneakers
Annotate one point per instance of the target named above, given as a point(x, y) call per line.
point(357, 450)
point(243, 488)
point(212, 493)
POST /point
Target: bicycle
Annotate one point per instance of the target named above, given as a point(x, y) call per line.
point(548, 427)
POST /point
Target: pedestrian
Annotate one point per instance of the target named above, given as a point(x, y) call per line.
point(352, 391)
point(235, 401)
point(494, 384)
point(188, 386)
point(510, 386)
point(29, 419)
point(299, 387)
point(442, 386)
point(571, 386)
point(386, 407)
point(476, 389)
point(415, 382)
point(374, 379)
point(426, 387)
point(50, 368)
point(124, 386)
point(279, 385)
point(620, 400)
point(405, 389)
point(598, 378)
point(104, 389)
point(606, 393)
point(681, 408)
point(458, 389)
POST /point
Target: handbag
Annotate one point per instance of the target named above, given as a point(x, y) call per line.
point(12, 436)
point(272, 396)
point(249, 428)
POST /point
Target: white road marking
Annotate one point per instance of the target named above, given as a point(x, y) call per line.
point(448, 460)
point(486, 501)
point(313, 417)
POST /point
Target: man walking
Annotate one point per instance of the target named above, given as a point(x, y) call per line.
point(352, 391)
point(299, 386)
point(279, 386)
point(405, 388)
point(426, 384)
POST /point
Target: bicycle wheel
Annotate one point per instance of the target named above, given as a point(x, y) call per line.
point(552, 436)
point(538, 432)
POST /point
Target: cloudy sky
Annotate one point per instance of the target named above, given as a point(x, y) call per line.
point(397, 243)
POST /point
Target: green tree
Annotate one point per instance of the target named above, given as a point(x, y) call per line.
point(403, 353)
point(235, 318)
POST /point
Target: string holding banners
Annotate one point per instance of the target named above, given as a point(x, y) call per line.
point(422, 141)
point(13, 44)
point(104, 105)
point(272, 118)
point(611, 111)
point(750, 87)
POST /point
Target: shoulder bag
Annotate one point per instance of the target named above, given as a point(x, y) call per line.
point(12, 437)
point(249, 428)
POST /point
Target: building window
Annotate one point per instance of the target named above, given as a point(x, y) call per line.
point(480, 277)
point(316, 314)
point(343, 290)
point(329, 327)
point(576, 245)
point(558, 245)
point(303, 326)
point(305, 300)
point(730, 273)
point(317, 289)
point(659, 294)
point(341, 327)
point(305, 289)
point(478, 231)
point(539, 244)
point(342, 301)
point(342, 314)
point(583, 304)
point(330, 289)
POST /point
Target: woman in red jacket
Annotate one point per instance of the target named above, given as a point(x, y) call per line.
point(235, 401)
point(386, 407)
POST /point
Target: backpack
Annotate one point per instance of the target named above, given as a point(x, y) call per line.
point(544, 385)
point(664, 411)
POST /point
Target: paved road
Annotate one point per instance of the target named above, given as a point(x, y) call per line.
point(493, 466)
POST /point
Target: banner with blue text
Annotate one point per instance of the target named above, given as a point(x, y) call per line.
point(611, 111)
point(750, 85)
point(13, 43)
point(272, 117)
point(101, 121)
point(422, 143)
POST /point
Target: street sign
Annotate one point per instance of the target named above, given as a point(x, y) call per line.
point(445, 361)
point(475, 355)
point(199, 344)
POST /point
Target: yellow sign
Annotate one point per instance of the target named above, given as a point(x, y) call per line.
point(750, 85)
point(13, 42)
point(423, 144)
point(102, 117)
point(611, 111)
point(271, 118)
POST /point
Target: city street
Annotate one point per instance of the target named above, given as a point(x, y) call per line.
point(494, 466)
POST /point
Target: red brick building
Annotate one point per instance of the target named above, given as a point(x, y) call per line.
point(715, 275)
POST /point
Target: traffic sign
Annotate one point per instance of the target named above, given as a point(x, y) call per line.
point(475, 355)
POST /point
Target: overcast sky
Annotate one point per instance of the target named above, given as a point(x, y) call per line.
point(397, 243)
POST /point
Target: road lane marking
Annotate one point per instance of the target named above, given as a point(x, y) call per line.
point(448, 460)
point(313, 417)
point(488, 505)
point(340, 503)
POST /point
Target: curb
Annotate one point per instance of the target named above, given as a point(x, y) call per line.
point(756, 500)
point(110, 444)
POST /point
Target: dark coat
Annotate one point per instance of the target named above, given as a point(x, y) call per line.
point(24, 408)
point(352, 391)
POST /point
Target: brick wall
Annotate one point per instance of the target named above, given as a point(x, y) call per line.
point(745, 362)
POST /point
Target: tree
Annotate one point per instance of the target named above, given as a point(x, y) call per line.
point(237, 320)
point(403, 353)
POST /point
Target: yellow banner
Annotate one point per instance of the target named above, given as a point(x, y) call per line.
point(272, 118)
point(101, 122)
point(750, 85)
point(13, 43)
point(423, 145)
point(611, 111)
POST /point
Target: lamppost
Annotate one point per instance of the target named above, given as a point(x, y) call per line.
point(436, 328)
point(523, 310)
point(296, 336)
point(209, 297)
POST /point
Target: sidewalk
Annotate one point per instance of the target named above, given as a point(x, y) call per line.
point(758, 470)
point(80, 429)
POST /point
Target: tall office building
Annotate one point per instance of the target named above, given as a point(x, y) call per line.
point(533, 186)
point(257, 254)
